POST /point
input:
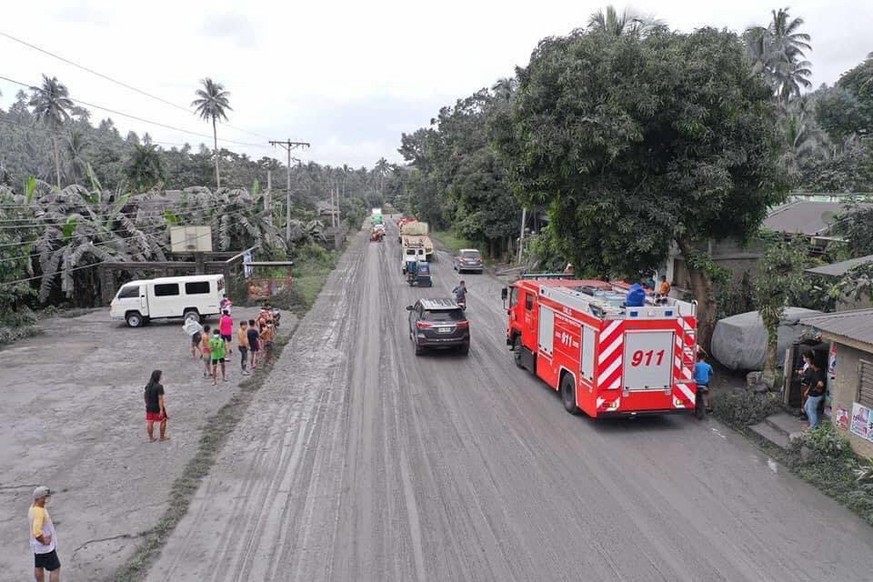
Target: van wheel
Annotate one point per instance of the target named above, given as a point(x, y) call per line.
point(192, 315)
point(134, 319)
point(568, 394)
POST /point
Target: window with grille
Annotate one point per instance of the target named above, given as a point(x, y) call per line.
point(865, 384)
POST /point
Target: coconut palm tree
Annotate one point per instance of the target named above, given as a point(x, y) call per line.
point(75, 146)
point(144, 167)
point(51, 105)
point(212, 104)
point(626, 23)
point(778, 51)
point(382, 169)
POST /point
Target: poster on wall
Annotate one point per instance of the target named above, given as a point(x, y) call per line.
point(832, 360)
point(841, 418)
point(861, 419)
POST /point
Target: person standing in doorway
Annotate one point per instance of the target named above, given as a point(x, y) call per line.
point(216, 354)
point(806, 374)
point(43, 539)
point(242, 340)
point(254, 342)
point(815, 394)
point(156, 410)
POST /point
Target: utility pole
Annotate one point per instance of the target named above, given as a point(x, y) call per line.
point(521, 234)
point(268, 197)
point(289, 145)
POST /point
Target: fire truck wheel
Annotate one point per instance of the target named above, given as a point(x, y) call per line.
point(568, 394)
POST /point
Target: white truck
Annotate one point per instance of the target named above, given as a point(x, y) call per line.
point(192, 297)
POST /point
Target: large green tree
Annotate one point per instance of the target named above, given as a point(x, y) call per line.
point(145, 167)
point(212, 104)
point(51, 105)
point(638, 143)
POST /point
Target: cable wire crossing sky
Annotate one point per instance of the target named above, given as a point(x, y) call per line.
point(347, 77)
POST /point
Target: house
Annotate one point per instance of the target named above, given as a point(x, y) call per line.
point(834, 272)
point(850, 374)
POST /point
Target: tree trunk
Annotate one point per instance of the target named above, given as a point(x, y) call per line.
point(215, 153)
point(772, 350)
point(704, 293)
point(57, 160)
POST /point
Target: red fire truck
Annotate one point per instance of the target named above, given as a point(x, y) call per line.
point(605, 358)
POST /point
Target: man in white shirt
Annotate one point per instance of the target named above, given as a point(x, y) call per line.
point(43, 540)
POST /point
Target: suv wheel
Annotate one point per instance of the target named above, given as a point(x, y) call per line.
point(418, 349)
point(464, 349)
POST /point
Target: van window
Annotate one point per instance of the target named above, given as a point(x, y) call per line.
point(197, 288)
point(166, 289)
point(129, 292)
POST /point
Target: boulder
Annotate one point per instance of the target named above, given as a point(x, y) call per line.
point(739, 342)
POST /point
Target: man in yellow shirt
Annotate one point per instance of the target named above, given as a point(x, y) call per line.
point(43, 540)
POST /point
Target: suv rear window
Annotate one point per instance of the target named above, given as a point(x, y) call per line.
point(444, 315)
point(470, 254)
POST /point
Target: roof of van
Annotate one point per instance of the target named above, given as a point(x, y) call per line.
point(181, 279)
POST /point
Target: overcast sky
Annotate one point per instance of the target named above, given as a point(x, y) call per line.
point(349, 77)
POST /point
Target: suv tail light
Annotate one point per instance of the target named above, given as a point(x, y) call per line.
point(463, 324)
point(422, 324)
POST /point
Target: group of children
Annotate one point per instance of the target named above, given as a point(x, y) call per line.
point(214, 346)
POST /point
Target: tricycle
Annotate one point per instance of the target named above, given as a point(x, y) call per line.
point(418, 273)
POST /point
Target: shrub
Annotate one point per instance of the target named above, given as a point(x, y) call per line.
point(744, 408)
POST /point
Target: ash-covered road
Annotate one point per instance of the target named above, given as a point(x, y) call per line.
point(360, 461)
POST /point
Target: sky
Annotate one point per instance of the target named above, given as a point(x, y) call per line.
point(347, 77)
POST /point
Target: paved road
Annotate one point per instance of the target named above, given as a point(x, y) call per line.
point(360, 461)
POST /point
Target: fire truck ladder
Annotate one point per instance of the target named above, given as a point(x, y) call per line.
point(689, 349)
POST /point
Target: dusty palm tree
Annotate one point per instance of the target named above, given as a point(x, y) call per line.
point(626, 23)
point(778, 51)
point(382, 169)
point(51, 105)
point(212, 104)
point(145, 167)
point(75, 145)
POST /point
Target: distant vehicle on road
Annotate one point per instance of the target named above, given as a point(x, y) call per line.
point(468, 260)
point(193, 297)
point(438, 323)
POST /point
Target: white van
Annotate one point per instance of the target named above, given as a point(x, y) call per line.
point(193, 297)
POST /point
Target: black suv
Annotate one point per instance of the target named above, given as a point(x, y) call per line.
point(438, 323)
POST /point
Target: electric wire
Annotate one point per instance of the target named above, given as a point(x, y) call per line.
point(141, 119)
point(117, 82)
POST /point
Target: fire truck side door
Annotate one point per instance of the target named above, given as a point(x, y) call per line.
point(587, 367)
point(528, 336)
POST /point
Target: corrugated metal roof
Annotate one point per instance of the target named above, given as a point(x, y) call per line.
point(841, 268)
point(856, 324)
point(804, 217)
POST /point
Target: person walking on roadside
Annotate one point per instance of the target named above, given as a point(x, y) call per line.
point(225, 325)
point(216, 353)
point(43, 539)
point(242, 340)
point(156, 409)
point(254, 342)
point(196, 331)
point(815, 394)
point(204, 351)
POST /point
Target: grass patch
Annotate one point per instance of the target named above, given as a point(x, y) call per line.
point(451, 241)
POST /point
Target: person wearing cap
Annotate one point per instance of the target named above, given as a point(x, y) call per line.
point(43, 540)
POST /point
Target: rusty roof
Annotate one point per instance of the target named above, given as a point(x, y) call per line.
point(856, 324)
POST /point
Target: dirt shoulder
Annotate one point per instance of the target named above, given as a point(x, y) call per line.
point(73, 419)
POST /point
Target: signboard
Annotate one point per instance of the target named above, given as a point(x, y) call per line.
point(648, 360)
point(841, 418)
point(862, 422)
point(191, 239)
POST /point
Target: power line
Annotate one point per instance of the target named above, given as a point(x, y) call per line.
point(141, 119)
point(111, 80)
